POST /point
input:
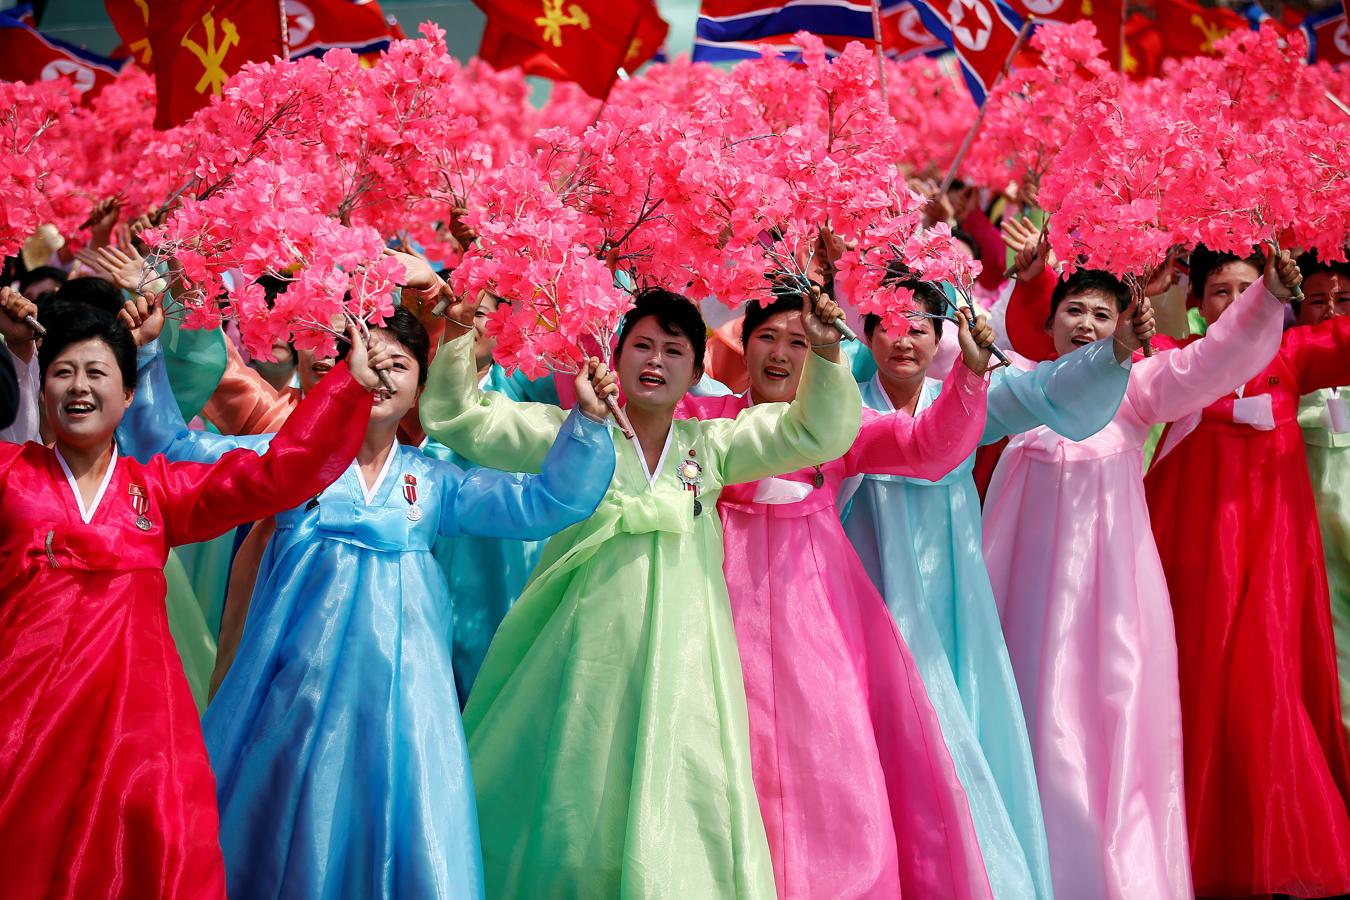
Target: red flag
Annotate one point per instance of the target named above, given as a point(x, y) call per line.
point(585, 41)
point(1107, 15)
point(1189, 29)
point(199, 44)
point(315, 26)
point(1328, 34)
point(1143, 47)
point(130, 18)
point(28, 55)
point(903, 34)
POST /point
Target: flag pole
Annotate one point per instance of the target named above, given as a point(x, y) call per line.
point(881, 54)
point(984, 107)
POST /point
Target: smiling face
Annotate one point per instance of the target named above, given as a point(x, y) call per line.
point(656, 368)
point(774, 355)
point(1082, 319)
point(1224, 285)
point(311, 368)
point(83, 395)
point(387, 407)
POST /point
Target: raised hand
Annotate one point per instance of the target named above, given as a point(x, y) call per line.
point(596, 385)
point(1282, 276)
point(17, 313)
point(102, 218)
point(125, 267)
point(144, 316)
point(461, 232)
point(819, 313)
point(367, 358)
point(1030, 245)
point(977, 341)
point(1134, 329)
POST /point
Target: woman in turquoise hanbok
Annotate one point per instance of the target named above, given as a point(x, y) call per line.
point(336, 740)
point(920, 543)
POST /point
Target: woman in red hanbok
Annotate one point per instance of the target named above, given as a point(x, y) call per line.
point(1267, 773)
point(105, 788)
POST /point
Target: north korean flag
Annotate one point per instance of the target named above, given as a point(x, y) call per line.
point(27, 54)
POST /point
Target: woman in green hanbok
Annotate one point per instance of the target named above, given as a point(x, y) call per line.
point(607, 728)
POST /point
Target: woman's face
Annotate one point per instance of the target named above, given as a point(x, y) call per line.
point(311, 368)
point(1323, 298)
point(1083, 319)
point(656, 368)
point(404, 374)
point(484, 345)
point(774, 354)
point(905, 357)
point(1224, 285)
point(83, 395)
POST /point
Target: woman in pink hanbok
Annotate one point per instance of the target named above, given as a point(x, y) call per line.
point(858, 792)
point(1084, 603)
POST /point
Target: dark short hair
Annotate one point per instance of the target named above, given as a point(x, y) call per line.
point(928, 297)
point(33, 276)
point(95, 292)
point(1090, 281)
point(968, 239)
point(756, 314)
point(409, 331)
point(676, 315)
point(71, 322)
point(1205, 262)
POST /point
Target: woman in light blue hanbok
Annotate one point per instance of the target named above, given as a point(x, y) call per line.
point(920, 543)
point(336, 739)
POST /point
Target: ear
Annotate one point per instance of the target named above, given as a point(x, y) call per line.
point(695, 377)
point(130, 395)
point(1049, 324)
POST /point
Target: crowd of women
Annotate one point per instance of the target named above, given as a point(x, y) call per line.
point(839, 619)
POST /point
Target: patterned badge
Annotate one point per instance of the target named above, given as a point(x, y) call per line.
point(690, 474)
point(140, 502)
point(410, 494)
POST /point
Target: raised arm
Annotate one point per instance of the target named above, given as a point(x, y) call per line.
point(484, 427)
point(928, 445)
point(571, 483)
point(775, 438)
point(1320, 354)
point(313, 448)
point(1075, 395)
point(1028, 308)
point(1170, 385)
point(154, 422)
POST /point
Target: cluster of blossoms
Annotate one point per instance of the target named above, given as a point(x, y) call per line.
point(709, 182)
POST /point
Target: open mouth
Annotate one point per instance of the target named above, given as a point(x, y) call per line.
point(321, 369)
point(1081, 340)
point(776, 373)
point(79, 409)
point(651, 379)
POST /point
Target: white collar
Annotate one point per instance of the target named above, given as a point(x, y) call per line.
point(372, 491)
point(88, 514)
point(660, 463)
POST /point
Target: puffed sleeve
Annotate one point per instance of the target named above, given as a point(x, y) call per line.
point(818, 426)
point(484, 427)
point(571, 483)
point(1076, 395)
point(310, 452)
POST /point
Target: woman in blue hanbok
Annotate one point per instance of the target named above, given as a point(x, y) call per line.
point(920, 543)
point(486, 574)
point(336, 740)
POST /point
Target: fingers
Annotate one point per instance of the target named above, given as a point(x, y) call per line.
point(1144, 319)
point(16, 305)
point(983, 332)
point(604, 380)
